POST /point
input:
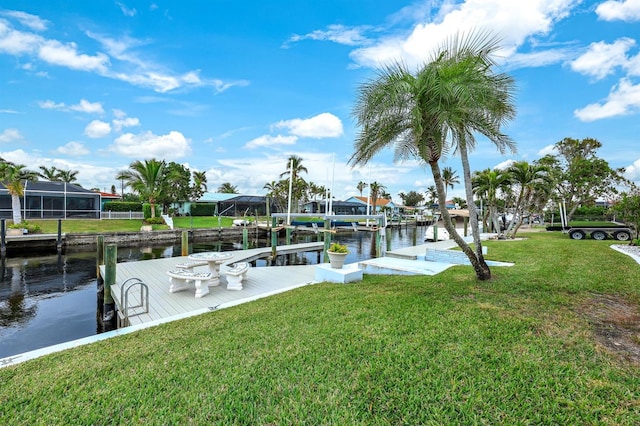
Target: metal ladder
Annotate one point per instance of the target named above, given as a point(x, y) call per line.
point(125, 288)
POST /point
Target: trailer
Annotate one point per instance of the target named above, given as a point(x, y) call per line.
point(620, 233)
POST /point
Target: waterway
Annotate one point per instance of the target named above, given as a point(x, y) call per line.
point(46, 299)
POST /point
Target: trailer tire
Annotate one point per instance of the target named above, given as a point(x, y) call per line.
point(599, 235)
point(622, 236)
point(577, 235)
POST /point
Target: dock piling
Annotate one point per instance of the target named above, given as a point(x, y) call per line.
point(110, 261)
point(185, 243)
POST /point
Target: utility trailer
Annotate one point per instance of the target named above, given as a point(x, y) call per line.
point(620, 233)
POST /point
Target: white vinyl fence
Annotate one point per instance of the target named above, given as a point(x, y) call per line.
point(121, 215)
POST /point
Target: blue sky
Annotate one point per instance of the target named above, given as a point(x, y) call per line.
point(235, 88)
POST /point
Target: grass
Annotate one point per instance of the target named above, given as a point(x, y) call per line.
point(128, 225)
point(446, 349)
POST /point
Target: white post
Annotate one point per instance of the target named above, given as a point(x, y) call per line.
point(290, 189)
point(333, 173)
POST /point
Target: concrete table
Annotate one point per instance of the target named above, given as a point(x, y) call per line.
point(214, 259)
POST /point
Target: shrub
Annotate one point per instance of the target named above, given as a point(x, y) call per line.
point(203, 209)
point(336, 247)
point(154, 221)
point(146, 209)
point(31, 228)
point(122, 206)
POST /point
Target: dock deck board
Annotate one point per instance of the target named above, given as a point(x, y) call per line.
point(260, 282)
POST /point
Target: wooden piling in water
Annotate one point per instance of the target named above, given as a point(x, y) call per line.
point(110, 261)
point(185, 243)
point(245, 239)
point(59, 241)
point(99, 257)
point(3, 239)
point(274, 237)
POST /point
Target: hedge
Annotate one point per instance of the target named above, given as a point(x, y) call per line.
point(122, 206)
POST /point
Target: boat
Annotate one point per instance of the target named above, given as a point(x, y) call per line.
point(442, 234)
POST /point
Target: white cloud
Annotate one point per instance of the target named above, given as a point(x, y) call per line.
point(601, 59)
point(32, 21)
point(270, 141)
point(616, 10)
point(632, 172)
point(548, 150)
point(325, 125)
point(504, 165)
point(10, 135)
point(17, 42)
point(148, 145)
point(57, 53)
point(83, 106)
point(125, 10)
point(74, 149)
point(515, 21)
point(88, 107)
point(623, 99)
point(97, 129)
point(119, 123)
point(350, 36)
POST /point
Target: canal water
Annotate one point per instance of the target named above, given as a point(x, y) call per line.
point(46, 299)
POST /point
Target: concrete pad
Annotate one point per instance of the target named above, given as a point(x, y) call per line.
point(395, 266)
point(349, 273)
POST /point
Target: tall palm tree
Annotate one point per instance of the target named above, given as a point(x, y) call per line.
point(438, 109)
point(146, 179)
point(14, 178)
point(487, 184)
point(432, 194)
point(361, 186)
point(299, 187)
point(199, 184)
point(449, 178)
point(376, 192)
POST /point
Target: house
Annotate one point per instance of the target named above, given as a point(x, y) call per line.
point(106, 197)
point(52, 200)
point(229, 204)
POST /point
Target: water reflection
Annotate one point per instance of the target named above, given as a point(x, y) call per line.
point(49, 299)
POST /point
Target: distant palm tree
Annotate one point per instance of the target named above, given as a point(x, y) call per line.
point(68, 176)
point(199, 184)
point(531, 180)
point(449, 178)
point(14, 178)
point(227, 188)
point(377, 190)
point(361, 186)
point(486, 185)
point(299, 187)
point(49, 173)
point(146, 179)
point(432, 194)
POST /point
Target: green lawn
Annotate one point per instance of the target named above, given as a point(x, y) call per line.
point(519, 349)
point(128, 225)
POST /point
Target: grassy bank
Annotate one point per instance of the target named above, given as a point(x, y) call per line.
point(127, 225)
point(523, 348)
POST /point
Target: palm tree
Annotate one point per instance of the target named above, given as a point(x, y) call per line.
point(531, 181)
point(449, 178)
point(68, 176)
point(199, 184)
point(376, 190)
point(438, 109)
point(432, 194)
point(49, 173)
point(361, 186)
point(487, 184)
point(228, 188)
point(146, 179)
point(14, 178)
point(294, 168)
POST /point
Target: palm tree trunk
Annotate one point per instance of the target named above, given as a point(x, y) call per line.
point(482, 271)
point(15, 208)
point(481, 274)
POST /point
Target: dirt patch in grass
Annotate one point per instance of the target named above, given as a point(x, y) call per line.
point(616, 325)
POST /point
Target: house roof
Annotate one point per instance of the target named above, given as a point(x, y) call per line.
point(54, 187)
point(216, 196)
point(108, 195)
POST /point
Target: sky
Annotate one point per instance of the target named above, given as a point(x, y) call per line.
point(233, 88)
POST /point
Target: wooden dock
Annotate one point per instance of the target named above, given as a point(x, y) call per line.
point(163, 305)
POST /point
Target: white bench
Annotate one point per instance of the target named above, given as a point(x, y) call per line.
point(180, 279)
point(188, 266)
point(236, 274)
